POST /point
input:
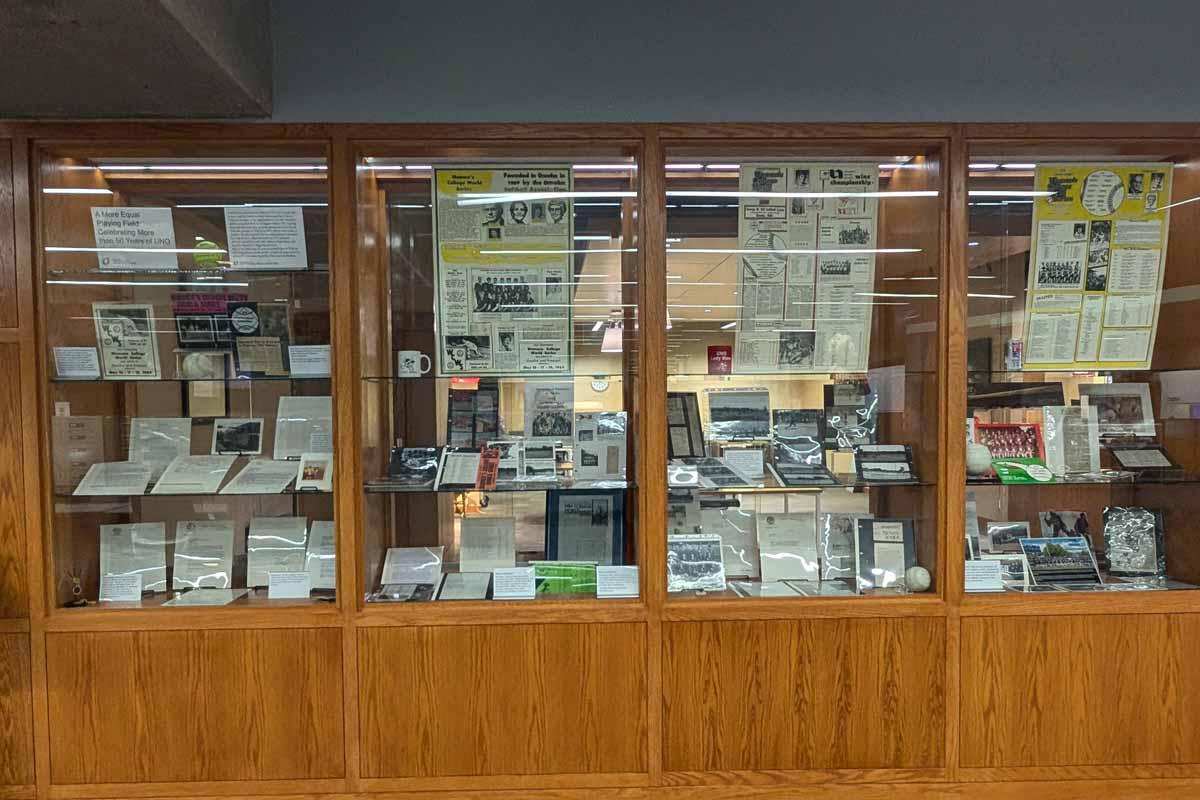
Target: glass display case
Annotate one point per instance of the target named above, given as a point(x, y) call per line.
point(1082, 390)
point(498, 361)
point(186, 324)
point(802, 370)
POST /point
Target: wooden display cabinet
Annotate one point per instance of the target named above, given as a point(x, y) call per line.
point(932, 694)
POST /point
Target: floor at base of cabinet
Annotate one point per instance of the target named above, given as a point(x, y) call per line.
point(1017, 789)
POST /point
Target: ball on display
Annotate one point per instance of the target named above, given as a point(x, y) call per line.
point(199, 366)
point(917, 579)
point(207, 260)
point(979, 458)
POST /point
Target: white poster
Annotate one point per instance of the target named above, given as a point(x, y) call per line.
point(134, 239)
point(266, 237)
point(804, 311)
point(203, 554)
point(504, 269)
point(125, 333)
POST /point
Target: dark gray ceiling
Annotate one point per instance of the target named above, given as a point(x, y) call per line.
point(135, 58)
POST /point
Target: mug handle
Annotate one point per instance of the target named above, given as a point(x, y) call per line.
point(426, 363)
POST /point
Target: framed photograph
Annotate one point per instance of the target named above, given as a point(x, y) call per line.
point(851, 415)
point(694, 563)
point(685, 436)
point(1063, 523)
point(1148, 458)
point(739, 415)
point(1122, 409)
point(315, 473)
point(1004, 537)
point(1011, 439)
point(884, 463)
point(586, 525)
point(1060, 559)
point(798, 436)
point(237, 437)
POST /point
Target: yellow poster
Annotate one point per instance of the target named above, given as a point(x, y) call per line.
point(1096, 265)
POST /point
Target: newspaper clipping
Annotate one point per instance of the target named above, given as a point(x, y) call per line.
point(1095, 285)
point(799, 311)
point(504, 271)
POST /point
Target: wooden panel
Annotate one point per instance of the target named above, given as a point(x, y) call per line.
point(16, 711)
point(195, 706)
point(804, 694)
point(1061, 691)
point(8, 255)
point(13, 602)
point(502, 700)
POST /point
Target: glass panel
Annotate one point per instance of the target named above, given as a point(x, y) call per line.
point(187, 334)
point(1082, 363)
point(499, 365)
point(802, 293)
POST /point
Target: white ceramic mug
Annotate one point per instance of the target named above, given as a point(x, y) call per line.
point(412, 364)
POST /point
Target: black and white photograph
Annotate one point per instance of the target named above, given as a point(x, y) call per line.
point(493, 214)
point(694, 563)
point(739, 415)
point(1156, 181)
point(467, 353)
point(798, 436)
point(1063, 523)
point(550, 423)
point(196, 330)
point(835, 266)
point(1005, 537)
point(715, 472)
point(1137, 184)
point(237, 437)
point(796, 349)
point(537, 212)
point(1058, 273)
point(1122, 409)
point(1097, 258)
point(1097, 278)
point(502, 295)
point(557, 209)
point(1133, 539)
point(518, 210)
point(1101, 236)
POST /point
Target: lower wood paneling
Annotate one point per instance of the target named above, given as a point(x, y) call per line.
point(804, 694)
point(16, 712)
point(502, 700)
point(1062, 691)
point(195, 705)
point(13, 602)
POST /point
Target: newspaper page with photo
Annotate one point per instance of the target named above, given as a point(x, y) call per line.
point(504, 269)
point(1098, 253)
point(801, 304)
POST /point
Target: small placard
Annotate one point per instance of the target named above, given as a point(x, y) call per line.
point(984, 576)
point(288, 585)
point(77, 363)
point(309, 360)
point(748, 461)
point(616, 581)
point(121, 588)
point(513, 583)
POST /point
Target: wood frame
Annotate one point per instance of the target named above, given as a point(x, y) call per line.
point(963, 624)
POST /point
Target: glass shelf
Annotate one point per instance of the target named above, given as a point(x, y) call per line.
point(383, 487)
point(227, 380)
